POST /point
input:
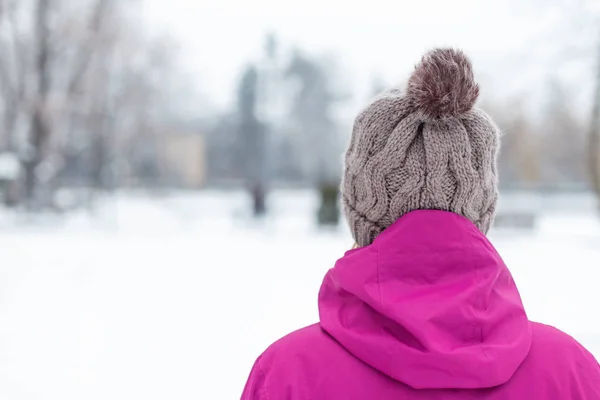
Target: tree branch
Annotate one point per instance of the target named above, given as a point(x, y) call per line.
point(86, 50)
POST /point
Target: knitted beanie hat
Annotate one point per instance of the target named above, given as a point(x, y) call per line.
point(422, 148)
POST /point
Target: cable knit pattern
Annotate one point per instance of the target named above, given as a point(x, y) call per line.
point(403, 158)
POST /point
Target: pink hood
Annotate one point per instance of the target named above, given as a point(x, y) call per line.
point(430, 303)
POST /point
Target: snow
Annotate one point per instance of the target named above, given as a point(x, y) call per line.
point(176, 296)
point(9, 166)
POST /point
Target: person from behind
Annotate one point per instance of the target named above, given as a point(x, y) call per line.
point(423, 307)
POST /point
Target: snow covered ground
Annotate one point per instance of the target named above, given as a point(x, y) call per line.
point(174, 297)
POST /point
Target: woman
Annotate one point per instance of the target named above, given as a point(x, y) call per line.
point(423, 307)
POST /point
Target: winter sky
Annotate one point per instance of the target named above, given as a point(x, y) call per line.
point(377, 37)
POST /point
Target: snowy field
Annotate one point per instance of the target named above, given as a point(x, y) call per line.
point(175, 297)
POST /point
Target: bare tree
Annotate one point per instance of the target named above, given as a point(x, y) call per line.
point(33, 96)
point(312, 116)
point(519, 161)
point(252, 133)
point(76, 76)
point(576, 38)
point(40, 129)
point(14, 78)
point(594, 132)
point(562, 147)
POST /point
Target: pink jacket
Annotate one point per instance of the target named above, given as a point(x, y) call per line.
point(428, 311)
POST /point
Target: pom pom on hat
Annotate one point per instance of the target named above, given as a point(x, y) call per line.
point(443, 85)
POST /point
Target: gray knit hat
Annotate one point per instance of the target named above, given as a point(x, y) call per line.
point(422, 148)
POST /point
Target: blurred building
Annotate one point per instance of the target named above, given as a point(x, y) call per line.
point(182, 158)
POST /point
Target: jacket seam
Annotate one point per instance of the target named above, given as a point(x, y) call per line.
point(378, 281)
point(378, 247)
point(482, 302)
point(262, 371)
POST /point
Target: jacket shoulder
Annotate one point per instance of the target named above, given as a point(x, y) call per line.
point(560, 358)
point(292, 365)
point(563, 346)
point(305, 343)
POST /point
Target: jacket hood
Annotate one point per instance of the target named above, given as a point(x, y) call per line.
point(430, 303)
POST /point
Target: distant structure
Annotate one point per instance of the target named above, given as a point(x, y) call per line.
point(183, 159)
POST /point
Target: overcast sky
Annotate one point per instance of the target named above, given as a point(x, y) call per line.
point(368, 38)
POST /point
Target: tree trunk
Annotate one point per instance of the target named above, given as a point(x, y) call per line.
point(594, 134)
point(259, 203)
point(39, 126)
